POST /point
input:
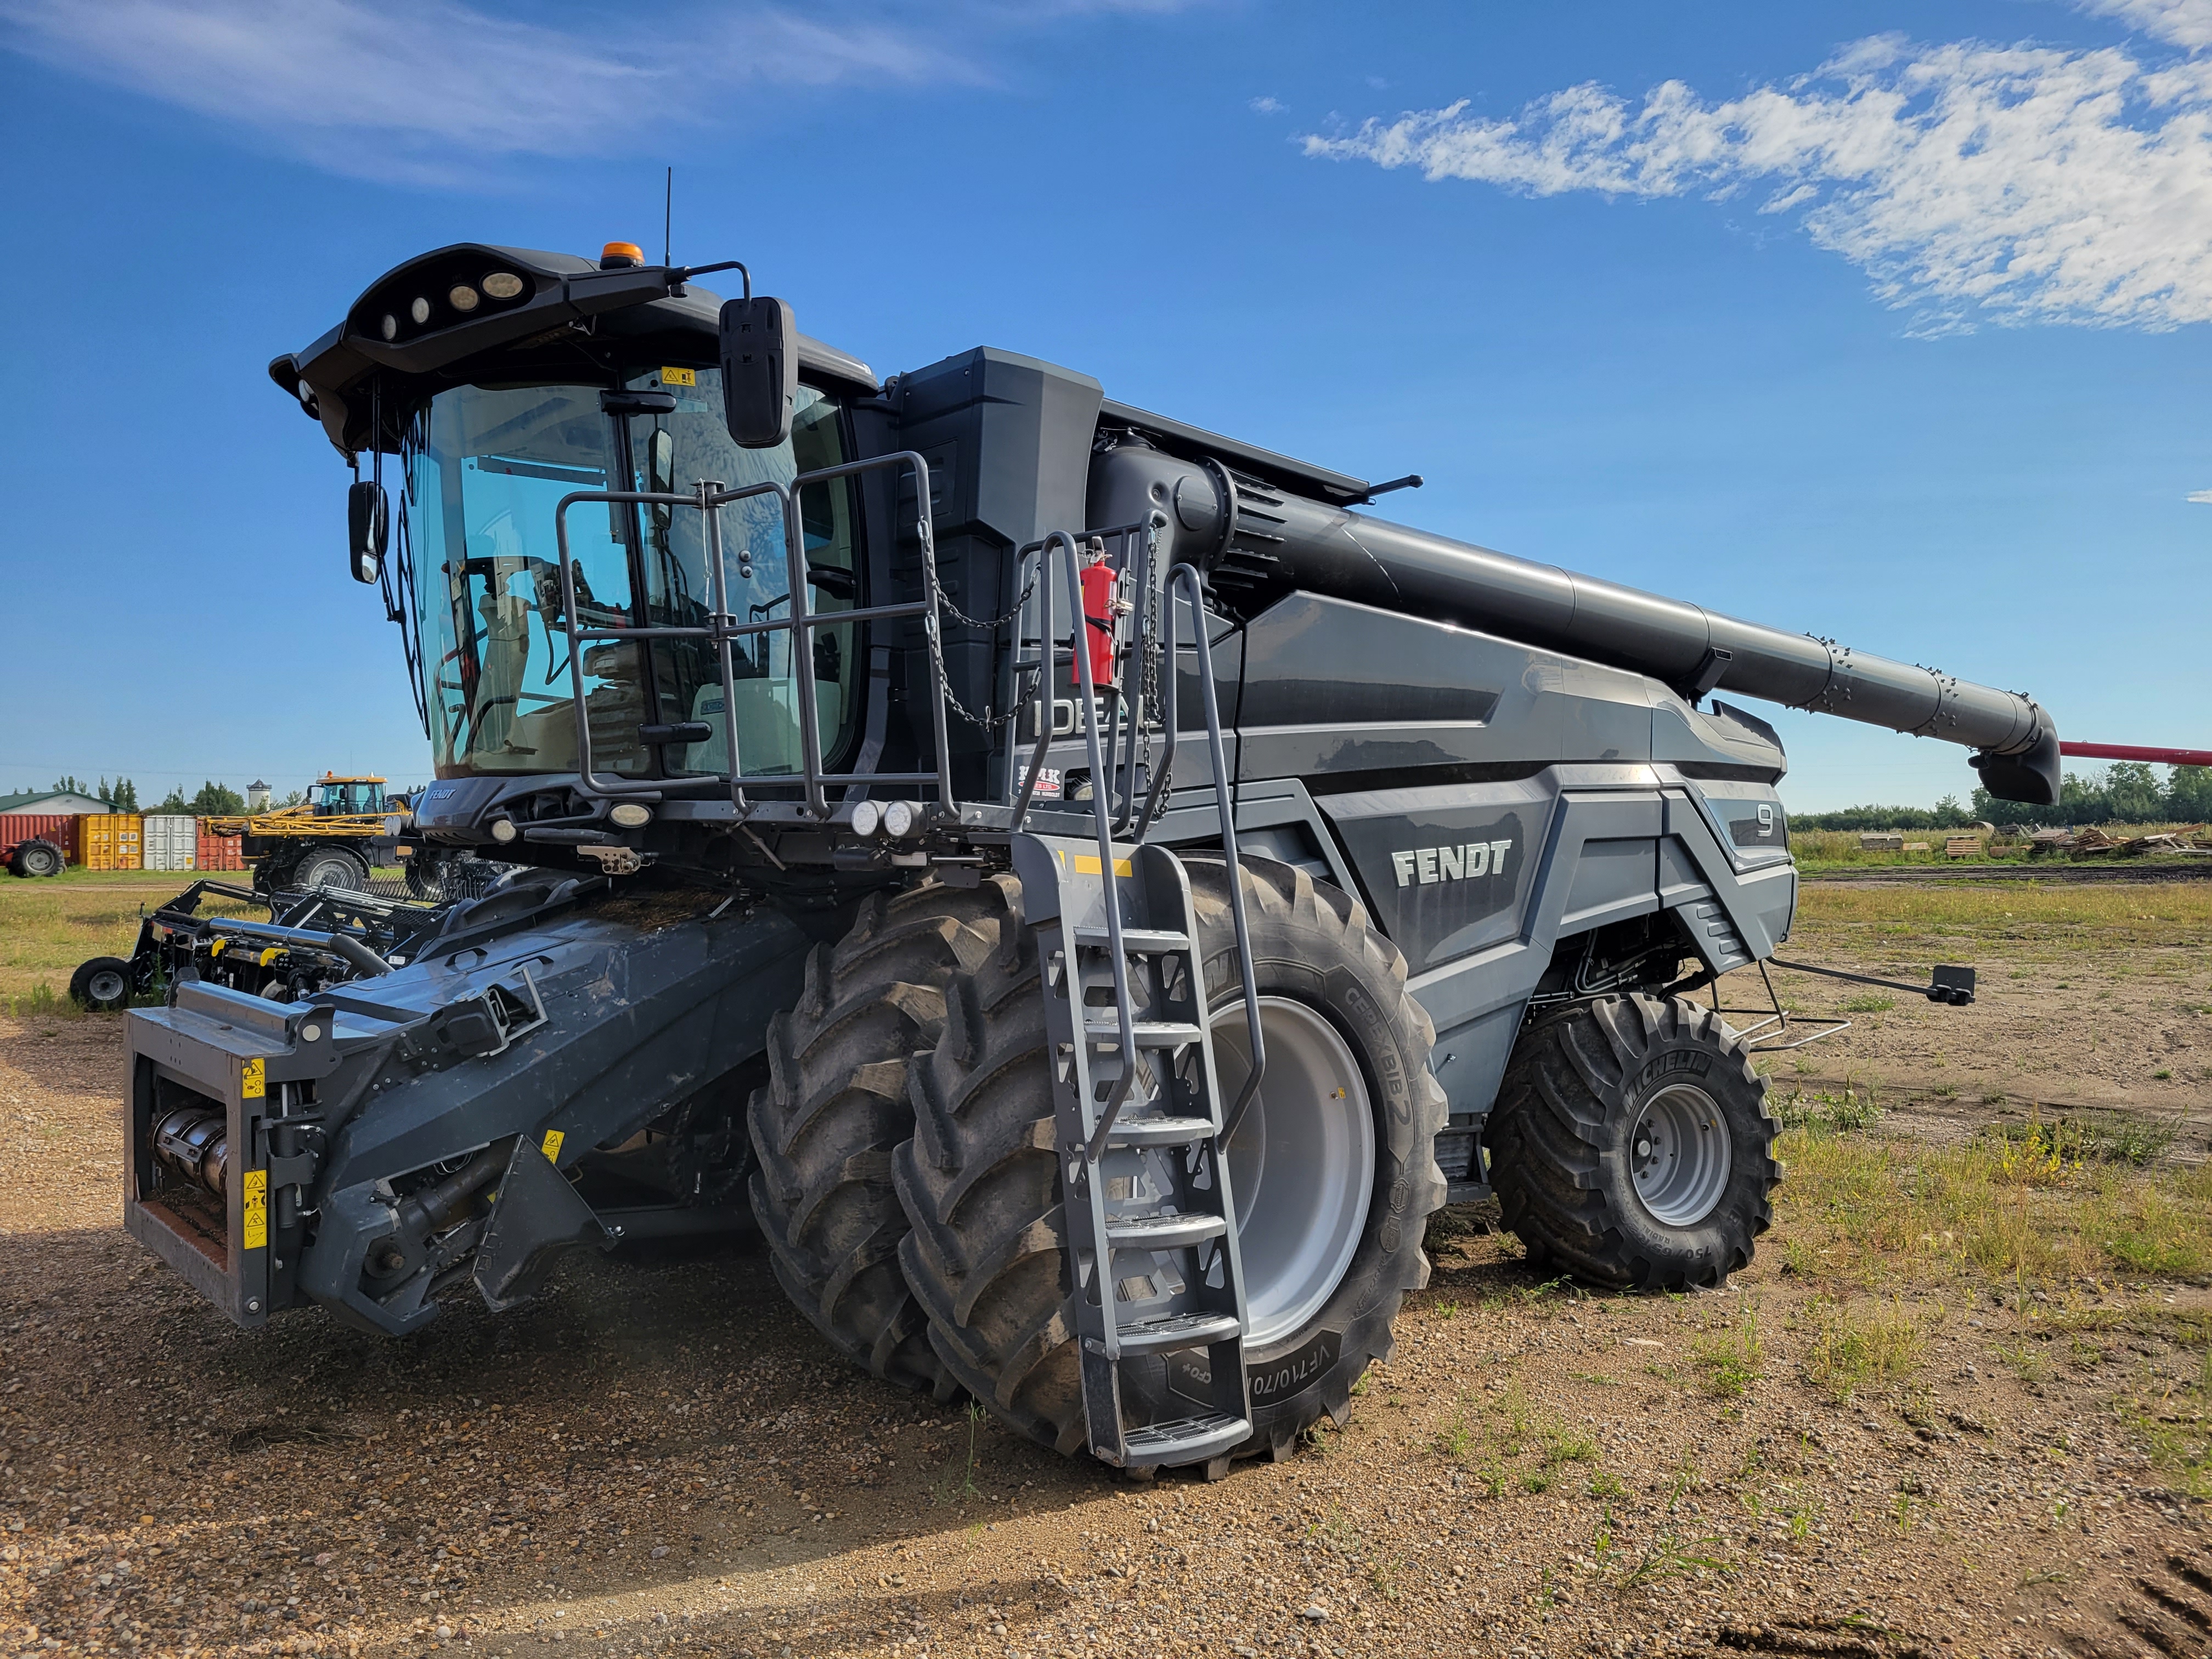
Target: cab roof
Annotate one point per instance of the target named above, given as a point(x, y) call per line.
point(432, 321)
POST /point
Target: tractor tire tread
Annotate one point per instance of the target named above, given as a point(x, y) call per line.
point(825, 1126)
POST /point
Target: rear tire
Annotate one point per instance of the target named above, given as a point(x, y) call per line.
point(980, 1181)
point(1630, 1144)
point(102, 984)
point(330, 866)
point(835, 1106)
point(38, 858)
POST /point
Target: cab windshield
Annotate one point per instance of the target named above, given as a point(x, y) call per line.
point(337, 799)
point(488, 465)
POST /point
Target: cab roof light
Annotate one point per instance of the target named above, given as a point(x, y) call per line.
point(620, 256)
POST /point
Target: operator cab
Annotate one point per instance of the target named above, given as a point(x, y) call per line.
point(503, 381)
point(329, 797)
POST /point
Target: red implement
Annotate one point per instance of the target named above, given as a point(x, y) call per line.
point(2128, 751)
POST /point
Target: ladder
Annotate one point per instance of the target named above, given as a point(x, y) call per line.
point(1151, 1228)
point(1141, 1127)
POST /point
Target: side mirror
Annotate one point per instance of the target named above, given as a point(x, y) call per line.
point(760, 371)
point(660, 479)
point(367, 517)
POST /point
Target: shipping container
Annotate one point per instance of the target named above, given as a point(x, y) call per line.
point(218, 852)
point(111, 841)
point(172, 840)
point(59, 828)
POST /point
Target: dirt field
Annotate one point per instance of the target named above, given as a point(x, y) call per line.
point(1956, 1407)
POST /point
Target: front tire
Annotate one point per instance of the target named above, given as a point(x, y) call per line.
point(1631, 1145)
point(102, 984)
point(835, 1106)
point(987, 1254)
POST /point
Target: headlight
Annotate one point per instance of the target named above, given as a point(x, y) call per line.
point(390, 325)
point(462, 297)
point(868, 818)
point(502, 830)
point(502, 285)
point(630, 815)
point(901, 817)
point(420, 311)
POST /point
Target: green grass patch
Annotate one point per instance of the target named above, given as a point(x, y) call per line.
point(2028, 1206)
point(1864, 1345)
point(1730, 1362)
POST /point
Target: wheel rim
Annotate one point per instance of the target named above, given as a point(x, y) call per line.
point(106, 986)
point(1301, 1165)
point(1679, 1155)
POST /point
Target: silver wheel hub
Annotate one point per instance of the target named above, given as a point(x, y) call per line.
point(1679, 1157)
point(1301, 1165)
point(106, 986)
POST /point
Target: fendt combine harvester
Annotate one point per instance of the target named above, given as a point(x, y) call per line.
point(1088, 894)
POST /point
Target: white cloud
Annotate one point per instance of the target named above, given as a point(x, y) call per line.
point(2180, 22)
point(2020, 184)
point(438, 89)
point(1269, 107)
point(2203, 497)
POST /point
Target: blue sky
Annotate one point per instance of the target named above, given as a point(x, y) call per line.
point(1881, 321)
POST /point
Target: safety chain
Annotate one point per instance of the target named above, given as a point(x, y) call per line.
point(996, 622)
point(984, 721)
point(1149, 645)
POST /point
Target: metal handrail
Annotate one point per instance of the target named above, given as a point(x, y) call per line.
point(1124, 1013)
point(1045, 664)
point(1184, 580)
point(722, 630)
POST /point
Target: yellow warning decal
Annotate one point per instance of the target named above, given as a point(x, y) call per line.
point(678, 377)
point(552, 1146)
point(251, 1084)
point(253, 1222)
point(1086, 863)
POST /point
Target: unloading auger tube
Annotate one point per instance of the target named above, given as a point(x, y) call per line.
point(1279, 542)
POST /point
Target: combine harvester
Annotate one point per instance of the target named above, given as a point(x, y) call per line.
point(1084, 890)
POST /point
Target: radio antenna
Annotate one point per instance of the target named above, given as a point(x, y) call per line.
point(668, 218)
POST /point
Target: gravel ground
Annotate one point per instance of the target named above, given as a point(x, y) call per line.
point(659, 1458)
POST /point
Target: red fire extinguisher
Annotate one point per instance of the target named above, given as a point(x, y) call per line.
point(1102, 611)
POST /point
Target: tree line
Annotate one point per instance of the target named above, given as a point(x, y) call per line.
point(122, 794)
point(2127, 791)
point(211, 800)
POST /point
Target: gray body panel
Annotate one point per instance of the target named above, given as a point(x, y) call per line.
point(1513, 800)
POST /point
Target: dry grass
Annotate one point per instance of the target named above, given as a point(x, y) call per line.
point(1861, 1209)
point(48, 928)
point(2091, 915)
point(1819, 849)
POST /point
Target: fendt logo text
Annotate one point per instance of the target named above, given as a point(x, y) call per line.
point(1458, 863)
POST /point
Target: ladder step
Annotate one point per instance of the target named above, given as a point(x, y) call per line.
point(1190, 1330)
point(1137, 941)
point(1160, 1131)
point(1164, 1232)
point(1184, 1440)
point(1150, 1034)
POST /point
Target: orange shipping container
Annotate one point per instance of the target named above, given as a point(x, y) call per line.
point(110, 840)
point(219, 851)
point(59, 828)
